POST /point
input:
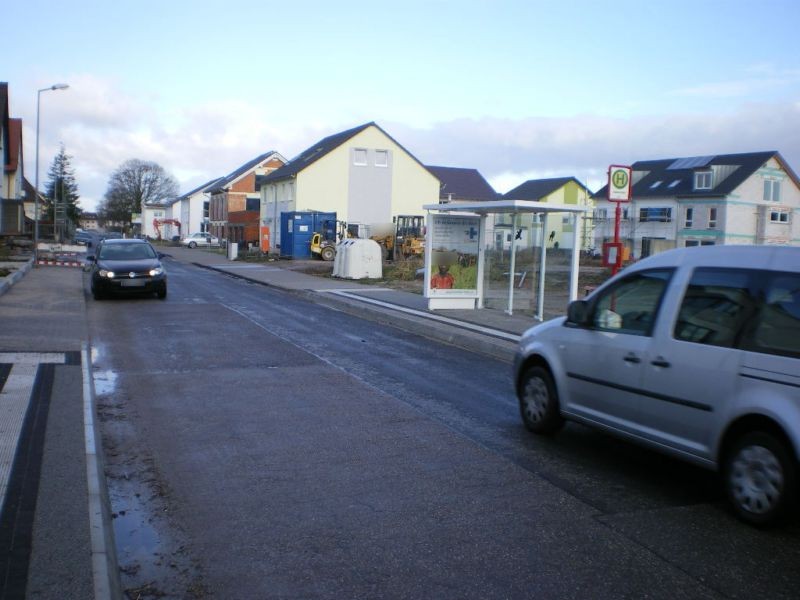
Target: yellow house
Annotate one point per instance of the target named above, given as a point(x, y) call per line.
point(559, 190)
point(363, 175)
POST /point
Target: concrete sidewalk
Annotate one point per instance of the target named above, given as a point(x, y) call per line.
point(488, 331)
point(54, 527)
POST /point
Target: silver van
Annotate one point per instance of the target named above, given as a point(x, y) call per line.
point(694, 352)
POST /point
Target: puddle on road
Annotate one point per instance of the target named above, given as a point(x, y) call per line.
point(138, 543)
point(153, 563)
point(105, 382)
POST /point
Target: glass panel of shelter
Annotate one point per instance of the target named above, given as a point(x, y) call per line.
point(526, 233)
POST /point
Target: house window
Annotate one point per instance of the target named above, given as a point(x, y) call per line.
point(687, 221)
point(779, 216)
point(691, 243)
point(712, 218)
point(360, 157)
point(656, 214)
point(703, 180)
point(600, 214)
point(381, 158)
point(772, 190)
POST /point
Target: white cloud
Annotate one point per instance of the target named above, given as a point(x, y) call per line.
point(760, 78)
point(584, 146)
point(102, 126)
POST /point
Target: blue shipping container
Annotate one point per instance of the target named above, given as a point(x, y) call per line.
point(297, 227)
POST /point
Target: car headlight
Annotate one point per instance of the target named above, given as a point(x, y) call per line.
point(156, 271)
point(106, 273)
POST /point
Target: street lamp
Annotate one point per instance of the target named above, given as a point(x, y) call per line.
point(57, 86)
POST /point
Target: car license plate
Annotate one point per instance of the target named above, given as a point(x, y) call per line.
point(132, 283)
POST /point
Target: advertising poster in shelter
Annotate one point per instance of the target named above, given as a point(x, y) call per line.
point(455, 243)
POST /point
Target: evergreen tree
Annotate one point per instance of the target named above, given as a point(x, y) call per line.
point(61, 192)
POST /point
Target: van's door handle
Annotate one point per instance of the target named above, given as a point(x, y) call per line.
point(632, 358)
point(660, 362)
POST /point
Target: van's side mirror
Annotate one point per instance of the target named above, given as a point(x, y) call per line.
point(578, 312)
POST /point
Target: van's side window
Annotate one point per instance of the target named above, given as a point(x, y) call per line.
point(631, 306)
point(776, 327)
point(716, 306)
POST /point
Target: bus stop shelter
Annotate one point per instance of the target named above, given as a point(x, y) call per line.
point(459, 228)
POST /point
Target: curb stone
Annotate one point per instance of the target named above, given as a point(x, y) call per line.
point(9, 281)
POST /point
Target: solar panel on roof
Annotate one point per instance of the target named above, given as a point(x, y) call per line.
point(692, 162)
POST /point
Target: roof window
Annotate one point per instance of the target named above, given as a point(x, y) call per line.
point(655, 185)
point(703, 180)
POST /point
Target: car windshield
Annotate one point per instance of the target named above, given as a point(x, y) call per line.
point(126, 252)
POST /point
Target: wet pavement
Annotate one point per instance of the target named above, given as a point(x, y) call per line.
point(488, 331)
point(55, 523)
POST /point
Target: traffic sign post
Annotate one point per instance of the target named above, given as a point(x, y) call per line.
point(619, 191)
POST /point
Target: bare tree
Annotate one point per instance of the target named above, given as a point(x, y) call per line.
point(132, 185)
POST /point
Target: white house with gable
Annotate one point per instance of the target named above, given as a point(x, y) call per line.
point(749, 198)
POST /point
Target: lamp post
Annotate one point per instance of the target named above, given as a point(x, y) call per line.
point(57, 86)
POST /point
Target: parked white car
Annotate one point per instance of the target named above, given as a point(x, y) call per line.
point(200, 239)
point(693, 352)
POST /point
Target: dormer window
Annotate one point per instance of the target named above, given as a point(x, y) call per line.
point(703, 180)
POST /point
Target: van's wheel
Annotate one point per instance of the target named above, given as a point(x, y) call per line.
point(538, 401)
point(328, 254)
point(162, 294)
point(760, 475)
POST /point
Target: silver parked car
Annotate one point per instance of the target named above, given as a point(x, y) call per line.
point(694, 352)
point(200, 239)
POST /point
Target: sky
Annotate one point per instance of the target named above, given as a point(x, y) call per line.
point(516, 89)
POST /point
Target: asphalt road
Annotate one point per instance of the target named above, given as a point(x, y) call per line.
point(282, 449)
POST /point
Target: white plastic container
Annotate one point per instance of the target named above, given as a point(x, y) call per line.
point(360, 259)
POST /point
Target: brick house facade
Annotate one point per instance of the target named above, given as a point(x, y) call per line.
point(234, 202)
